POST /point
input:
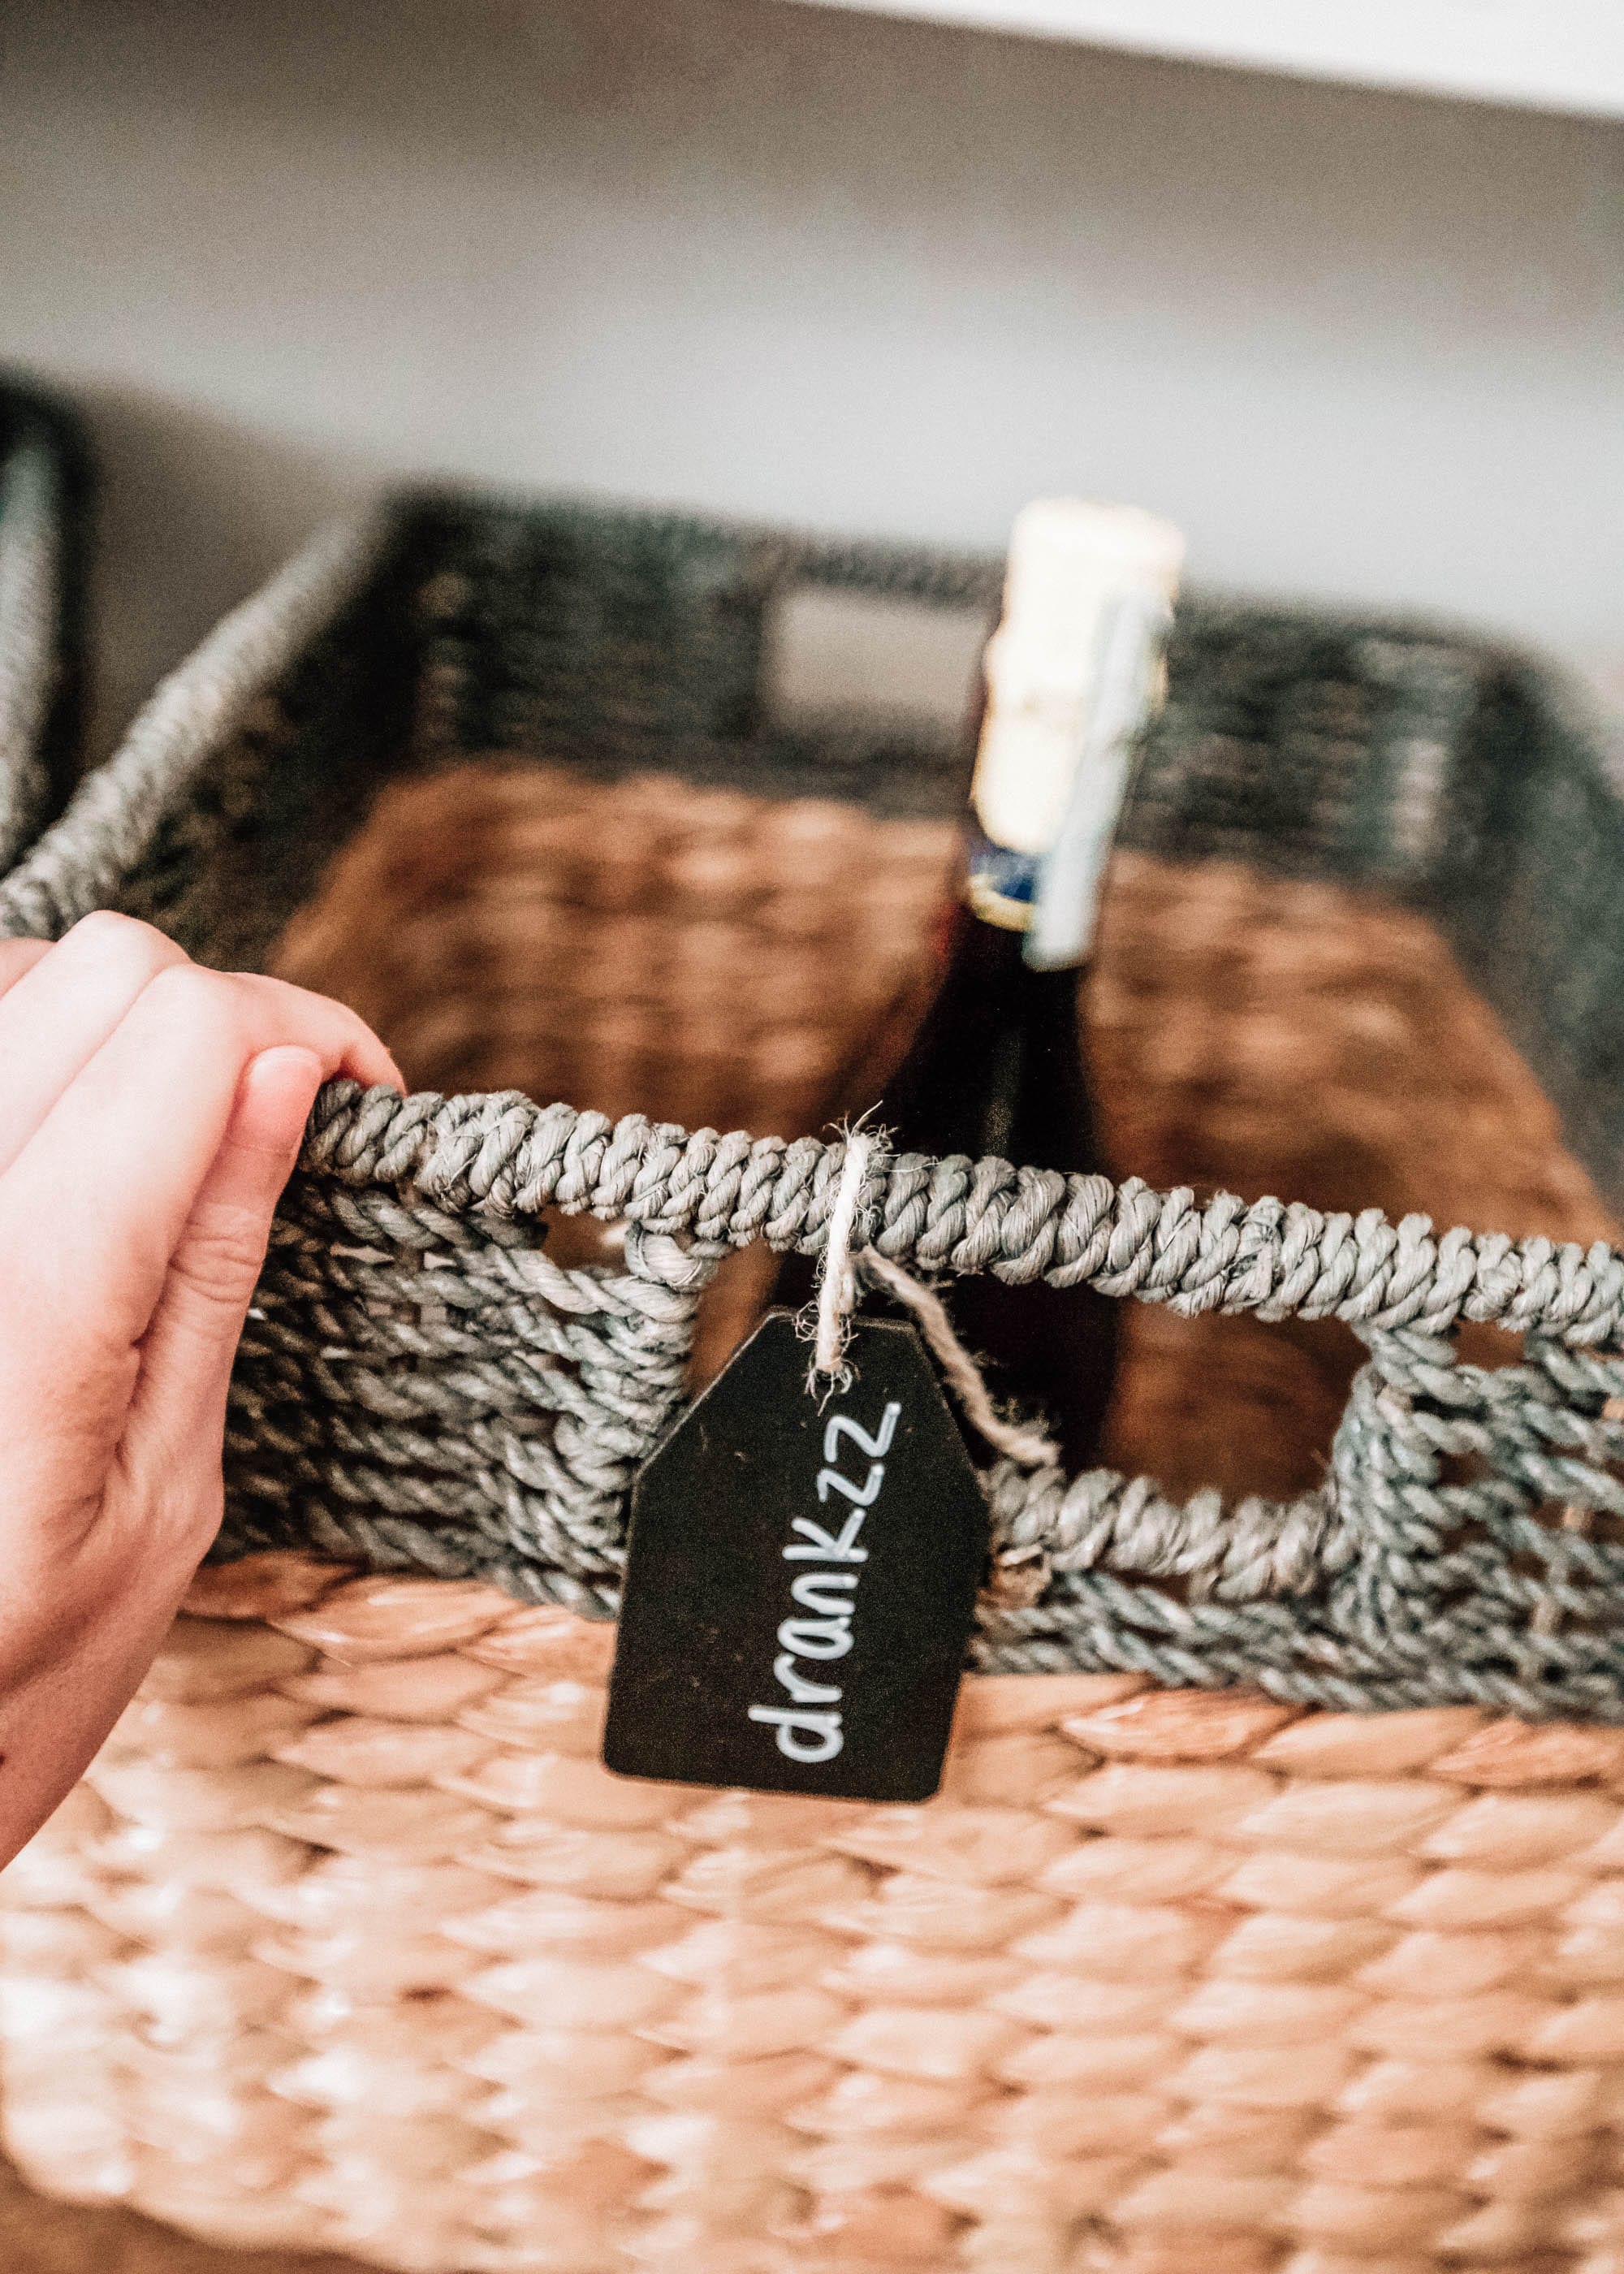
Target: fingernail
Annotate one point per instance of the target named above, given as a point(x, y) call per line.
point(273, 1098)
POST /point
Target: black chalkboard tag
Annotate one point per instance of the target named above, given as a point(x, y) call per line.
point(800, 1578)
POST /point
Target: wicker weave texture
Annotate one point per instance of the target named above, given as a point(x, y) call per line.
point(1253, 1034)
point(733, 961)
point(701, 957)
point(352, 1944)
point(349, 1945)
point(645, 946)
point(420, 1389)
point(730, 939)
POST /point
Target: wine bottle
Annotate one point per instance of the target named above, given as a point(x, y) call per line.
point(996, 1066)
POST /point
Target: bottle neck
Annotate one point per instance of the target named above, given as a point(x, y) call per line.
point(1001, 887)
point(1049, 790)
point(999, 884)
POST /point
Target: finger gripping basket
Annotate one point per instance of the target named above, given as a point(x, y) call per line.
point(1270, 1914)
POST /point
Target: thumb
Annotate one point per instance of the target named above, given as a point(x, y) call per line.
point(177, 1413)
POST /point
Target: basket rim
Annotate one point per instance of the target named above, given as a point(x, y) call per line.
point(501, 1154)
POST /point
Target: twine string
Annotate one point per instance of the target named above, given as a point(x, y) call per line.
point(1028, 1446)
point(836, 1280)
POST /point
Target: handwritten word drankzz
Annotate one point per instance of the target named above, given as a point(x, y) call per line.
point(809, 1728)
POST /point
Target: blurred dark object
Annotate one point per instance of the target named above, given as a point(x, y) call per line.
point(46, 485)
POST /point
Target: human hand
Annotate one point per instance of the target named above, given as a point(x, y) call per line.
point(150, 1113)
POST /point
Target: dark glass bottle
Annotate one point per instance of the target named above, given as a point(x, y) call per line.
point(996, 1066)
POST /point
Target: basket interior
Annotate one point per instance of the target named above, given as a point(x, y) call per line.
point(532, 810)
point(603, 867)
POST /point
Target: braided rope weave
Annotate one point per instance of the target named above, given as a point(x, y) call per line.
point(510, 1159)
point(420, 1386)
point(119, 809)
point(437, 1394)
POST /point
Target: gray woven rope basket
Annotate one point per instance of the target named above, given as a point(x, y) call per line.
point(425, 1385)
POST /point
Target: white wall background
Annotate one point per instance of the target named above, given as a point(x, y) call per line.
point(851, 272)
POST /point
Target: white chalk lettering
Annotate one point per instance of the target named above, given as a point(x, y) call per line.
point(818, 1546)
point(816, 1637)
point(812, 1591)
point(824, 1742)
point(831, 1481)
point(809, 1728)
point(803, 1693)
point(876, 1447)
